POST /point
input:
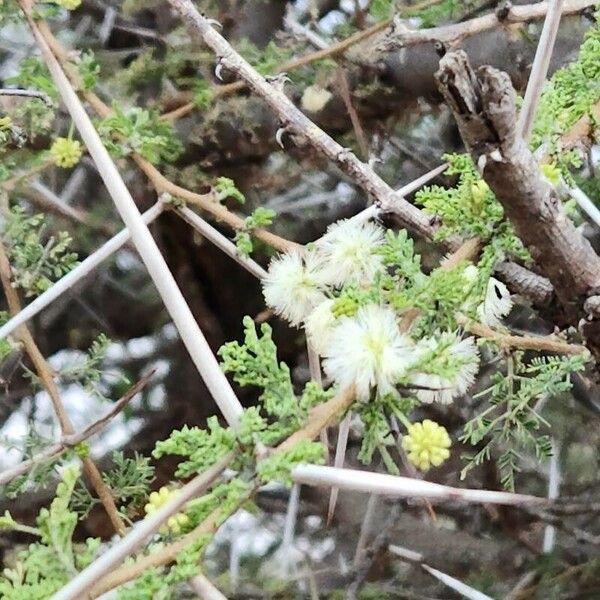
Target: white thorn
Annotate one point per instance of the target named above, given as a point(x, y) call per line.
point(215, 23)
point(279, 136)
point(496, 155)
point(218, 70)
point(481, 162)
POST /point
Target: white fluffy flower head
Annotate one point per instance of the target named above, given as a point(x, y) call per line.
point(444, 389)
point(293, 286)
point(348, 252)
point(497, 303)
point(319, 326)
point(368, 351)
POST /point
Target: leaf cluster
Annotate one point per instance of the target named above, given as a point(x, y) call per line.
point(38, 260)
point(46, 565)
point(510, 422)
point(141, 131)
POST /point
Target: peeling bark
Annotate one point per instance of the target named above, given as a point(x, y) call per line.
point(484, 105)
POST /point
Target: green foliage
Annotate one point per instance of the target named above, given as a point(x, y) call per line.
point(438, 298)
point(141, 131)
point(9, 12)
point(89, 69)
point(570, 94)
point(203, 98)
point(89, 371)
point(382, 9)
point(10, 134)
point(470, 209)
point(399, 254)
point(33, 115)
point(143, 70)
point(255, 363)
point(40, 475)
point(129, 481)
point(202, 447)
point(226, 188)
point(278, 467)
point(377, 435)
point(225, 497)
point(264, 60)
point(37, 260)
point(45, 566)
point(438, 13)
point(33, 74)
point(260, 217)
point(442, 11)
point(160, 583)
point(510, 422)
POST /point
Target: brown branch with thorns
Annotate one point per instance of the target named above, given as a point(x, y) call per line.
point(519, 278)
point(504, 16)
point(484, 105)
point(299, 125)
point(207, 202)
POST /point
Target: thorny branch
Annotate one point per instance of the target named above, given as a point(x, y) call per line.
point(294, 122)
point(525, 282)
point(484, 105)
point(504, 16)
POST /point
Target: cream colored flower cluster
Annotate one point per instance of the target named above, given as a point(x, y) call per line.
point(364, 347)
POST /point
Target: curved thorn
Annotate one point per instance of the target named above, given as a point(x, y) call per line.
point(279, 136)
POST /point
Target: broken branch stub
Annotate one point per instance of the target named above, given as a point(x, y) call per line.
point(484, 105)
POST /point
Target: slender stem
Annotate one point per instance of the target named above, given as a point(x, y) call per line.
point(449, 34)
point(539, 71)
point(163, 279)
point(541, 343)
point(46, 375)
point(289, 528)
point(27, 94)
point(10, 184)
point(554, 477)
point(466, 591)
point(338, 461)
point(86, 579)
point(70, 440)
point(366, 529)
point(220, 241)
point(205, 588)
point(77, 274)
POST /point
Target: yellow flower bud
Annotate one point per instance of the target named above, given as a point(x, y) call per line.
point(551, 173)
point(66, 152)
point(427, 444)
point(68, 4)
point(176, 522)
point(479, 189)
